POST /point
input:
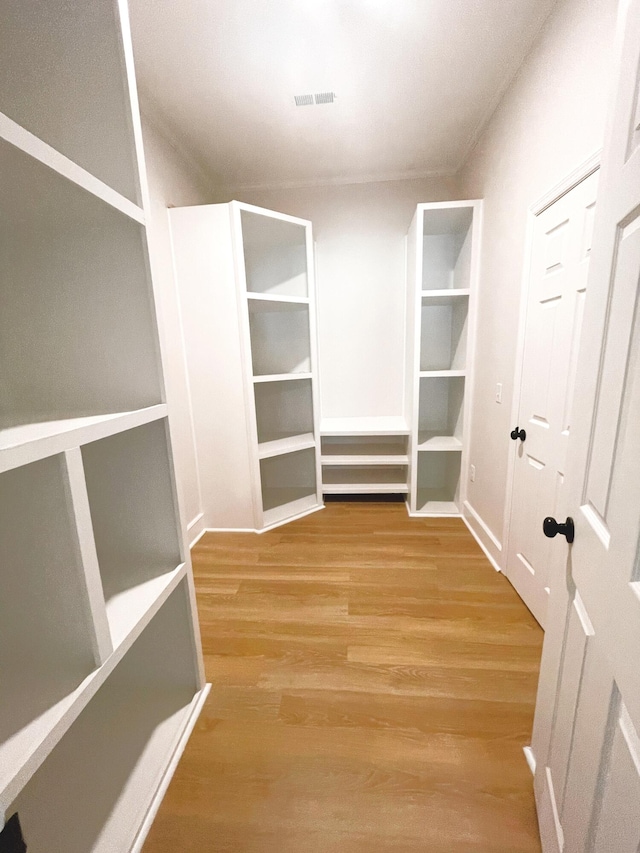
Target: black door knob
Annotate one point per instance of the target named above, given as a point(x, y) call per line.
point(551, 528)
point(518, 433)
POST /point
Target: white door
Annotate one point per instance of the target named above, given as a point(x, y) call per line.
point(560, 254)
point(586, 733)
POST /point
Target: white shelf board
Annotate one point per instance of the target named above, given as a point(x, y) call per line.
point(430, 441)
point(364, 426)
point(281, 446)
point(131, 607)
point(282, 377)
point(22, 754)
point(365, 488)
point(289, 510)
point(25, 141)
point(447, 291)
point(436, 374)
point(282, 301)
point(365, 459)
point(20, 445)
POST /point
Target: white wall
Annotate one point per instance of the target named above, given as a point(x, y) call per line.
point(359, 231)
point(550, 121)
point(173, 180)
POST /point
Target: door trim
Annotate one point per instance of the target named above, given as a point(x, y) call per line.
point(579, 174)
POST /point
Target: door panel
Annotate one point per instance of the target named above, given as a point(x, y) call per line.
point(555, 305)
point(586, 730)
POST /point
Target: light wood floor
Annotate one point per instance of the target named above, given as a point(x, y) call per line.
point(373, 686)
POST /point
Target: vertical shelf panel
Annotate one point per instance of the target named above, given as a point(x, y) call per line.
point(275, 255)
point(63, 81)
point(77, 326)
point(134, 520)
point(92, 793)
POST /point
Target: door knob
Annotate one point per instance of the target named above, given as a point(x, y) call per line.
point(551, 528)
point(518, 433)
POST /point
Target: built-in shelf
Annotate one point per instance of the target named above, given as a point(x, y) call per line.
point(364, 450)
point(133, 514)
point(434, 374)
point(282, 377)
point(433, 441)
point(364, 426)
point(275, 253)
point(266, 299)
point(448, 292)
point(20, 445)
point(72, 804)
point(441, 270)
point(286, 445)
point(286, 480)
point(363, 479)
point(77, 328)
point(279, 333)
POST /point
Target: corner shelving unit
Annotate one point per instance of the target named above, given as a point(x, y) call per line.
point(442, 268)
point(364, 456)
point(96, 588)
point(246, 287)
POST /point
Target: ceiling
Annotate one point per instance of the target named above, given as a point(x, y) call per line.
point(415, 82)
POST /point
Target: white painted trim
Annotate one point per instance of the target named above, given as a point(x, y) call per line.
point(434, 515)
point(570, 182)
point(194, 521)
point(531, 758)
point(229, 530)
point(198, 538)
point(579, 174)
point(473, 515)
point(183, 737)
point(290, 519)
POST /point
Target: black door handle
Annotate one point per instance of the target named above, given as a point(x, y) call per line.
point(551, 528)
point(518, 433)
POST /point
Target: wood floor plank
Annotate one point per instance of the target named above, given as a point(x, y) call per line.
point(374, 681)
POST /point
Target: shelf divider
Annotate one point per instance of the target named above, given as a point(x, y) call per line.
point(79, 505)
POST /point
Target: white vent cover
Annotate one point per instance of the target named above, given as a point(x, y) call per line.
point(310, 100)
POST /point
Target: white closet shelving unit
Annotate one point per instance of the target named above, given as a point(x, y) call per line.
point(245, 278)
point(364, 456)
point(101, 677)
point(442, 268)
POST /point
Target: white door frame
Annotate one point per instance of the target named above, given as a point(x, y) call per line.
point(579, 174)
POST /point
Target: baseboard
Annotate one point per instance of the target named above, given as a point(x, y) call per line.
point(531, 759)
point(185, 734)
point(292, 518)
point(195, 529)
point(483, 535)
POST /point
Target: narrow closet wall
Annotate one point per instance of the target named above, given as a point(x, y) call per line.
point(550, 120)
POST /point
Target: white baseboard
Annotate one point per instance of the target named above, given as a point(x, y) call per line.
point(195, 529)
point(185, 734)
point(483, 535)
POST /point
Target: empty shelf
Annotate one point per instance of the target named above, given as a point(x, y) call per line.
point(286, 445)
point(282, 377)
point(364, 426)
point(364, 480)
point(433, 441)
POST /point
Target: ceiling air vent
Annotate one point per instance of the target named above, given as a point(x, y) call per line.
point(303, 100)
point(325, 98)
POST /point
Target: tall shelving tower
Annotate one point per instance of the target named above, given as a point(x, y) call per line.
point(442, 270)
point(101, 676)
